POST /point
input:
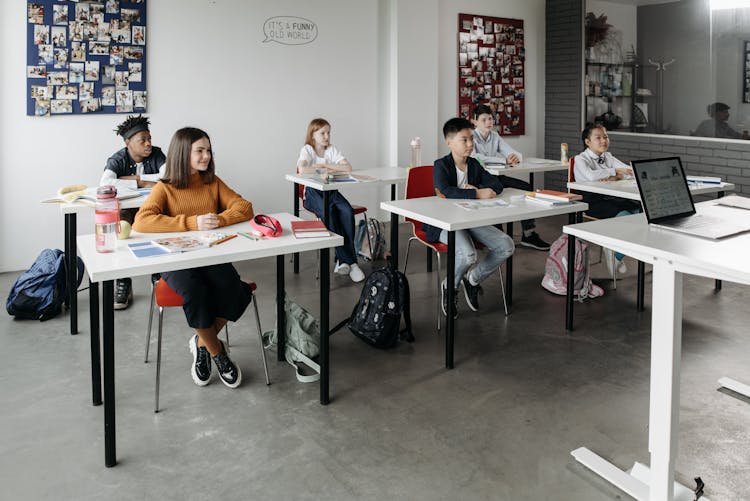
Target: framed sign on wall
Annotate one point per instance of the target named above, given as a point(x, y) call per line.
point(491, 59)
point(85, 57)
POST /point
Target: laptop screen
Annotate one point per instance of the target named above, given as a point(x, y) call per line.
point(664, 191)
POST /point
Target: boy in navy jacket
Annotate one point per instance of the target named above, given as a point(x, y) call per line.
point(458, 175)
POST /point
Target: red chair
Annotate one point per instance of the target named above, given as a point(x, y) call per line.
point(163, 296)
point(419, 184)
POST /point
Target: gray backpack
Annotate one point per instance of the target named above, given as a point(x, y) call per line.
point(302, 343)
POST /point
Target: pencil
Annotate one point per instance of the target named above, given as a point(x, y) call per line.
point(222, 240)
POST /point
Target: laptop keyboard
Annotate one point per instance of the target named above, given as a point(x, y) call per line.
point(696, 221)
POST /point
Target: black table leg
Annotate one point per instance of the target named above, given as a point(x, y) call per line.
point(531, 180)
point(71, 268)
point(280, 310)
point(451, 290)
point(296, 214)
point(641, 285)
point(717, 283)
point(428, 259)
point(571, 273)
point(393, 191)
point(509, 270)
point(394, 240)
point(108, 329)
point(325, 289)
point(96, 361)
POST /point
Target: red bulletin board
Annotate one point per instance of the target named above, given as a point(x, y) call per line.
point(491, 59)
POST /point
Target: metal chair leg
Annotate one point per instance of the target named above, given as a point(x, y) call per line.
point(158, 359)
point(408, 248)
point(502, 289)
point(260, 338)
point(150, 318)
point(367, 236)
point(440, 294)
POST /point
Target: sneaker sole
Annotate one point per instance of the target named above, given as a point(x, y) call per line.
point(532, 246)
point(120, 306)
point(236, 383)
point(196, 379)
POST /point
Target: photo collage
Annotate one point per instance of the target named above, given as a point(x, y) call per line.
point(746, 74)
point(86, 57)
point(491, 58)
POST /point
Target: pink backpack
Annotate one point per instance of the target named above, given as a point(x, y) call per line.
point(556, 270)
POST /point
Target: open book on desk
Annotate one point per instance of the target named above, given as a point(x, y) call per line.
point(86, 195)
point(172, 245)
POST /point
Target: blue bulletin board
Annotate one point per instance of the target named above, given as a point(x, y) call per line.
point(85, 57)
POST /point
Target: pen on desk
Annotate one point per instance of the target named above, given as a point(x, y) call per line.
point(222, 240)
point(248, 235)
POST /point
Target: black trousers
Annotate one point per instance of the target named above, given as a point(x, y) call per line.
point(210, 292)
point(605, 206)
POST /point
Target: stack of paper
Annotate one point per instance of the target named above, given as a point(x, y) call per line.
point(551, 197)
point(309, 229)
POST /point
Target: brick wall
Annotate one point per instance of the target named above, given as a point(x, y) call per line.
point(726, 159)
point(563, 72)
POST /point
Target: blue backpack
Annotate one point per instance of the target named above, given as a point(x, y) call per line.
point(40, 291)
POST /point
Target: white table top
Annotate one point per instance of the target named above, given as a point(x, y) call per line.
point(724, 259)
point(445, 214)
point(628, 188)
point(529, 165)
point(75, 208)
point(380, 175)
point(122, 263)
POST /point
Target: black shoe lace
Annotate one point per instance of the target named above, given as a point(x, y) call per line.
point(224, 364)
point(203, 359)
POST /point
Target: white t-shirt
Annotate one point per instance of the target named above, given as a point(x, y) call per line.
point(331, 156)
point(460, 178)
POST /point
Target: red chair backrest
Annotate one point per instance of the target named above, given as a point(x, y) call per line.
point(419, 184)
point(571, 171)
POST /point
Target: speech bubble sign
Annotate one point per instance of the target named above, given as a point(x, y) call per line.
point(289, 30)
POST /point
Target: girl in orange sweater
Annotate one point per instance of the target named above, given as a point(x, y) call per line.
point(191, 197)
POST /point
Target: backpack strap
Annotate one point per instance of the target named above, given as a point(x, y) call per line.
point(304, 359)
point(406, 333)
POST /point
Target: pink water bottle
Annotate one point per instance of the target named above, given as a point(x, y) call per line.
point(107, 218)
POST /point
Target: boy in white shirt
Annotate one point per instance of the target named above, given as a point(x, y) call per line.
point(489, 147)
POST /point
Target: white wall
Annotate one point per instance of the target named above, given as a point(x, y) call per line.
point(382, 71)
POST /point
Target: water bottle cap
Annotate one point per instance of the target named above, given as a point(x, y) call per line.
point(107, 191)
point(416, 141)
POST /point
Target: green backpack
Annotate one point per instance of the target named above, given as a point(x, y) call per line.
point(302, 341)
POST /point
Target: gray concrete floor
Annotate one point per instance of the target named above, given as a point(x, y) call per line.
point(500, 426)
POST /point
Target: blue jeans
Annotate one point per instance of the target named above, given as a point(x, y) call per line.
point(341, 223)
point(499, 245)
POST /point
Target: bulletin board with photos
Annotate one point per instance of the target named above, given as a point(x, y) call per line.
point(85, 57)
point(491, 58)
point(746, 73)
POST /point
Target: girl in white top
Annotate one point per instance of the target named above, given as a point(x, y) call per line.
point(598, 164)
point(318, 154)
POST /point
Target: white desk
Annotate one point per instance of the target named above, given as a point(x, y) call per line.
point(444, 214)
point(627, 188)
point(121, 264)
point(379, 175)
point(70, 211)
point(529, 166)
point(672, 254)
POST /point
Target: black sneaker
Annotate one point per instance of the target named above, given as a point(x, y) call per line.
point(444, 300)
point(534, 242)
point(123, 293)
point(201, 368)
point(229, 373)
point(472, 294)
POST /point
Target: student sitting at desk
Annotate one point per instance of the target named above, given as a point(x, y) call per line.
point(318, 154)
point(192, 197)
point(489, 147)
point(598, 164)
point(459, 175)
point(137, 165)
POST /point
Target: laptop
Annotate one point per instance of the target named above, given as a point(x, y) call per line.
point(668, 203)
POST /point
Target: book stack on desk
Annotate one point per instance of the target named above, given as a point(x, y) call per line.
point(309, 229)
point(703, 180)
point(551, 197)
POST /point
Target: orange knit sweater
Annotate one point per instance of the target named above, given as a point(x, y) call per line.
point(172, 209)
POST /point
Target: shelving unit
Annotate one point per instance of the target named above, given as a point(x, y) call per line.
point(612, 88)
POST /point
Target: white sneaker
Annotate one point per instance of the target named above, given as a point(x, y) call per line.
point(621, 267)
point(609, 261)
point(341, 268)
point(356, 273)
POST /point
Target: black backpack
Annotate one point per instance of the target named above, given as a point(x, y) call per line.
point(376, 318)
point(40, 291)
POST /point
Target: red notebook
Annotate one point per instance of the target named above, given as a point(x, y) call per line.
point(309, 229)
